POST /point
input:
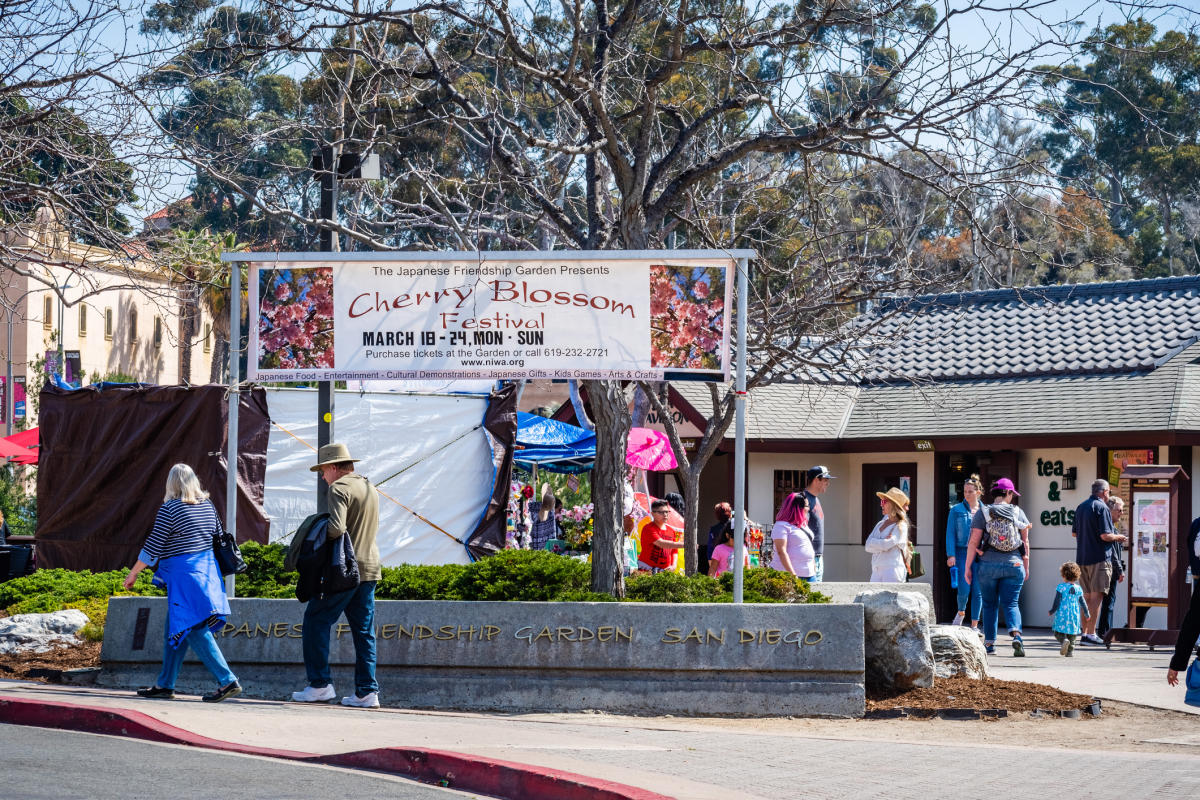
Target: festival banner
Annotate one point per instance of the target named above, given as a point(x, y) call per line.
point(509, 318)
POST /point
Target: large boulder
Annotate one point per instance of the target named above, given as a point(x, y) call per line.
point(958, 650)
point(899, 654)
point(40, 632)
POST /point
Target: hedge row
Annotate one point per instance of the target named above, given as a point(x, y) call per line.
point(510, 575)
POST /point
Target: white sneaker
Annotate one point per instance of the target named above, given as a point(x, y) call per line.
point(958, 618)
point(370, 701)
point(311, 694)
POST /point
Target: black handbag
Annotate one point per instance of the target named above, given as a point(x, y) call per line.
point(228, 554)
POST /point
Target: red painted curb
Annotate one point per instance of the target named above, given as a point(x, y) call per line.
point(488, 776)
point(504, 779)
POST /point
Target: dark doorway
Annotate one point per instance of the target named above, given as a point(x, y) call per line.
point(880, 478)
point(952, 470)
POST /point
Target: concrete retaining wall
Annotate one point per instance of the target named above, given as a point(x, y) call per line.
point(803, 660)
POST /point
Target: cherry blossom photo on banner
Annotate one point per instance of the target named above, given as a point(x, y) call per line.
point(295, 318)
point(687, 316)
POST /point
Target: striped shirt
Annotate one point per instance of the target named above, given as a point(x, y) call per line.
point(181, 528)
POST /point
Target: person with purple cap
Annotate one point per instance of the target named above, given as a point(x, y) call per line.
point(1000, 531)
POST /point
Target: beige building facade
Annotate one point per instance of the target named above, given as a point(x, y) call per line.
point(120, 315)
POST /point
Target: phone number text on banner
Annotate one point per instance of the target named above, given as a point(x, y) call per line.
point(500, 319)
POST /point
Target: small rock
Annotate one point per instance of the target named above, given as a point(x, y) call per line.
point(957, 651)
point(40, 632)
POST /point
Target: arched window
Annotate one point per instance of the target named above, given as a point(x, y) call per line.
point(158, 333)
point(108, 324)
point(83, 320)
point(48, 312)
point(133, 326)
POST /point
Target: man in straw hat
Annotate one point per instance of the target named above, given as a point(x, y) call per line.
point(353, 511)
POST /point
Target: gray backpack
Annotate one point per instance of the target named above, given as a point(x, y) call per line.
point(1001, 533)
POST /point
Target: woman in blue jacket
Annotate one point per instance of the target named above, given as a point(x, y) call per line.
point(181, 548)
point(958, 533)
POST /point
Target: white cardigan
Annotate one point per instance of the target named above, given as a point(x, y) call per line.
point(886, 545)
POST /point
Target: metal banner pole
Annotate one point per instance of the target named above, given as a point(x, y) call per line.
point(231, 456)
point(739, 463)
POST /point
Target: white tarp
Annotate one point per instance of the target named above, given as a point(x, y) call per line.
point(450, 484)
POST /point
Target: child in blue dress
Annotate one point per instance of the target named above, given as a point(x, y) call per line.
point(1068, 604)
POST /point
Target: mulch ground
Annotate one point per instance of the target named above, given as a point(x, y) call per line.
point(987, 693)
point(34, 666)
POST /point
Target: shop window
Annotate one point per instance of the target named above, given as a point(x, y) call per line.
point(133, 327)
point(1113, 461)
point(786, 482)
point(880, 478)
point(48, 312)
point(108, 324)
point(83, 320)
point(158, 333)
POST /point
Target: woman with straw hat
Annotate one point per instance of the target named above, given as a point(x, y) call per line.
point(888, 542)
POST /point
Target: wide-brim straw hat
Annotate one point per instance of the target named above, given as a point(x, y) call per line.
point(334, 453)
point(898, 498)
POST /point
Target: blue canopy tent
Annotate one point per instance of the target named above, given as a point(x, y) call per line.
point(552, 445)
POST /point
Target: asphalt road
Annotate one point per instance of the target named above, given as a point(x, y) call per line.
point(63, 765)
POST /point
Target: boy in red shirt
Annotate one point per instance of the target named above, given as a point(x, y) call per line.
point(658, 541)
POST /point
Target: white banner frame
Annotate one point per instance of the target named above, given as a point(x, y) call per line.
point(425, 320)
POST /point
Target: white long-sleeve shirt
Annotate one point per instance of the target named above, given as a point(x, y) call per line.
point(886, 545)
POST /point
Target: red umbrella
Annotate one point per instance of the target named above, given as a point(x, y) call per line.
point(26, 441)
point(649, 449)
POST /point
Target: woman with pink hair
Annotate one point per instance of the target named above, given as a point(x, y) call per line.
point(791, 539)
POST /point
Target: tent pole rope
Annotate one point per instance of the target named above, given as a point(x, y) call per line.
point(430, 453)
point(382, 493)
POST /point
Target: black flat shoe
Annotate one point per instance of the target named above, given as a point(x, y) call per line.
point(224, 693)
point(157, 692)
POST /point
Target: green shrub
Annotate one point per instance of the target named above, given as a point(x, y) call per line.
point(265, 575)
point(522, 575)
point(671, 587)
point(412, 582)
point(52, 589)
point(766, 585)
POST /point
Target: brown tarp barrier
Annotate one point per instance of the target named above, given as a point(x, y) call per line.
point(104, 458)
point(500, 424)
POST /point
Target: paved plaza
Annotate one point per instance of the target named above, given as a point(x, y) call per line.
point(1143, 745)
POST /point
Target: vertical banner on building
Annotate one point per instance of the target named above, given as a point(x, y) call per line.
point(3, 401)
point(74, 368)
point(51, 362)
point(496, 316)
point(19, 397)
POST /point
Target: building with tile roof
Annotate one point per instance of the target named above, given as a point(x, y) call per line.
point(1034, 384)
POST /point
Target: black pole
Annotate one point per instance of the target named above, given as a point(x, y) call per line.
point(329, 193)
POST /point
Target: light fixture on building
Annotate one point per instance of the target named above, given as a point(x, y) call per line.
point(1069, 476)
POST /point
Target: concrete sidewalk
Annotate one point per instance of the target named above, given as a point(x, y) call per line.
point(1130, 673)
point(731, 759)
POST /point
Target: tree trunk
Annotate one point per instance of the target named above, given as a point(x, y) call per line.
point(611, 415)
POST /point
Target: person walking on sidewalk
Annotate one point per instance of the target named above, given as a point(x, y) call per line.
point(1067, 607)
point(958, 533)
point(1094, 536)
point(353, 512)
point(1189, 629)
point(1001, 532)
point(180, 546)
point(817, 478)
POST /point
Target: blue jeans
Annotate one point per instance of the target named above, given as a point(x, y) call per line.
point(999, 587)
point(358, 604)
point(201, 640)
point(966, 590)
point(818, 569)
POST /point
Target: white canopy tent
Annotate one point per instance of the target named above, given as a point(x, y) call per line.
point(435, 441)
